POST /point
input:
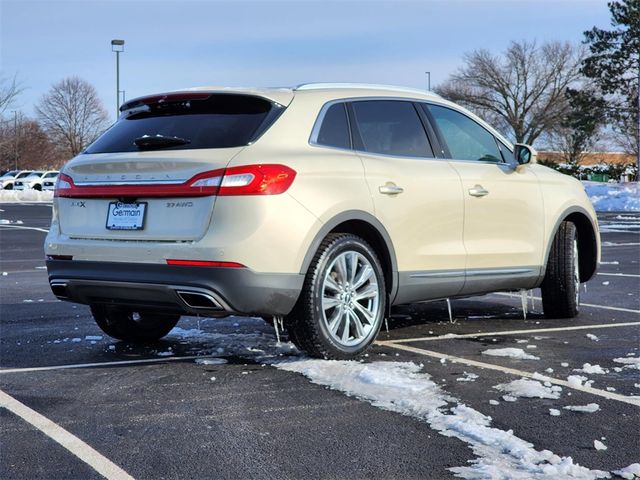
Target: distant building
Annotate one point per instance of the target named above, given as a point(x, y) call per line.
point(591, 158)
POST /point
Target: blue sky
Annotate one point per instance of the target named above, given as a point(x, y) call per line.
point(176, 44)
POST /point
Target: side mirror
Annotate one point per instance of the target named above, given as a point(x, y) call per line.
point(525, 154)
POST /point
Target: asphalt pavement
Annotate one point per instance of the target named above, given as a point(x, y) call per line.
point(154, 412)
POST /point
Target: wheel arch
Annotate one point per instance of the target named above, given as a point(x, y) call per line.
point(587, 240)
point(370, 229)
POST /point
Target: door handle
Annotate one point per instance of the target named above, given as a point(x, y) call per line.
point(390, 189)
point(478, 191)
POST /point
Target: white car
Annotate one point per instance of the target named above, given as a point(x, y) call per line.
point(49, 181)
point(34, 181)
point(9, 180)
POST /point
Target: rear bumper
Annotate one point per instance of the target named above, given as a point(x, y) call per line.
point(181, 289)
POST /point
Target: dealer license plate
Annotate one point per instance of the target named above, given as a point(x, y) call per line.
point(126, 216)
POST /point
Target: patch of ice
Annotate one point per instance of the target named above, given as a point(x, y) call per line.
point(598, 445)
point(165, 354)
point(630, 472)
point(593, 337)
point(517, 353)
point(211, 361)
point(522, 341)
point(76, 340)
point(402, 388)
point(554, 412)
point(468, 377)
point(526, 388)
point(93, 337)
point(589, 408)
point(594, 369)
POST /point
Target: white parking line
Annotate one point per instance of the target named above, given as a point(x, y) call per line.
point(619, 274)
point(101, 364)
point(21, 227)
point(512, 332)
point(489, 366)
point(591, 305)
point(73, 444)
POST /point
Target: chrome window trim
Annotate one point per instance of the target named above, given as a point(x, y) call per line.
point(133, 182)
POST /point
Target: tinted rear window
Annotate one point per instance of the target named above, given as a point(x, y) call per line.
point(334, 131)
point(219, 121)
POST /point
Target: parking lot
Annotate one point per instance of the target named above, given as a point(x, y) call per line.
point(224, 399)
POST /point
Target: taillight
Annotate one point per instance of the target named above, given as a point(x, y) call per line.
point(64, 184)
point(266, 179)
point(257, 180)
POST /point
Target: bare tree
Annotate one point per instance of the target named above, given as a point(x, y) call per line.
point(72, 114)
point(9, 90)
point(521, 92)
point(27, 146)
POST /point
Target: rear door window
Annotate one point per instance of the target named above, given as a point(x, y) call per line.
point(204, 121)
point(334, 131)
point(466, 139)
point(391, 127)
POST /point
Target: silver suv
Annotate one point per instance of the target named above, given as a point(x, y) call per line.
point(325, 205)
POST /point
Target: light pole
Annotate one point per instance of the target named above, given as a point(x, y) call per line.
point(428, 80)
point(117, 46)
point(15, 138)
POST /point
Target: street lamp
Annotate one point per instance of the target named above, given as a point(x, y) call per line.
point(428, 80)
point(117, 46)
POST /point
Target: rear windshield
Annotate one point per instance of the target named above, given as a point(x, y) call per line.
point(218, 121)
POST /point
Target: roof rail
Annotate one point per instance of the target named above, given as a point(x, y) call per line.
point(391, 88)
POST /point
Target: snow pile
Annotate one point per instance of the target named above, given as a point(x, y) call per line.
point(400, 387)
point(526, 388)
point(589, 408)
point(614, 197)
point(630, 472)
point(588, 368)
point(11, 196)
point(593, 337)
point(630, 362)
point(510, 352)
point(554, 412)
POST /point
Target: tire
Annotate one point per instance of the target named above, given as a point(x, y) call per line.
point(37, 187)
point(133, 326)
point(347, 274)
point(561, 284)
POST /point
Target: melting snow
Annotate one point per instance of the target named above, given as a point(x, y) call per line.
point(401, 388)
point(468, 377)
point(591, 336)
point(588, 368)
point(578, 381)
point(630, 362)
point(211, 361)
point(614, 197)
point(554, 412)
point(526, 388)
point(599, 445)
point(630, 472)
point(589, 408)
point(511, 353)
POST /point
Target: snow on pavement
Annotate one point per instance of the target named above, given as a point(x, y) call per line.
point(517, 353)
point(589, 408)
point(14, 196)
point(403, 387)
point(526, 388)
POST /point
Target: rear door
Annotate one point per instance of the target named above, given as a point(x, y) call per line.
point(504, 210)
point(417, 197)
point(150, 157)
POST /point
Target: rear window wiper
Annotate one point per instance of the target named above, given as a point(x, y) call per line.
point(159, 141)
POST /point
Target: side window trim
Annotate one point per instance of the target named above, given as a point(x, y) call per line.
point(317, 126)
point(444, 143)
point(437, 146)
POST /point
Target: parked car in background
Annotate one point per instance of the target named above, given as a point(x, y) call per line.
point(34, 180)
point(320, 206)
point(8, 181)
point(49, 181)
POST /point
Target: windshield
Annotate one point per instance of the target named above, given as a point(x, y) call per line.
point(23, 174)
point(10, 173)
point(183, 123)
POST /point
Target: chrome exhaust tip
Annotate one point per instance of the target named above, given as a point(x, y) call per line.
point(199, 300)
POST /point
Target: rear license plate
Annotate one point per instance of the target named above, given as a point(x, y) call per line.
point(126, 216)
